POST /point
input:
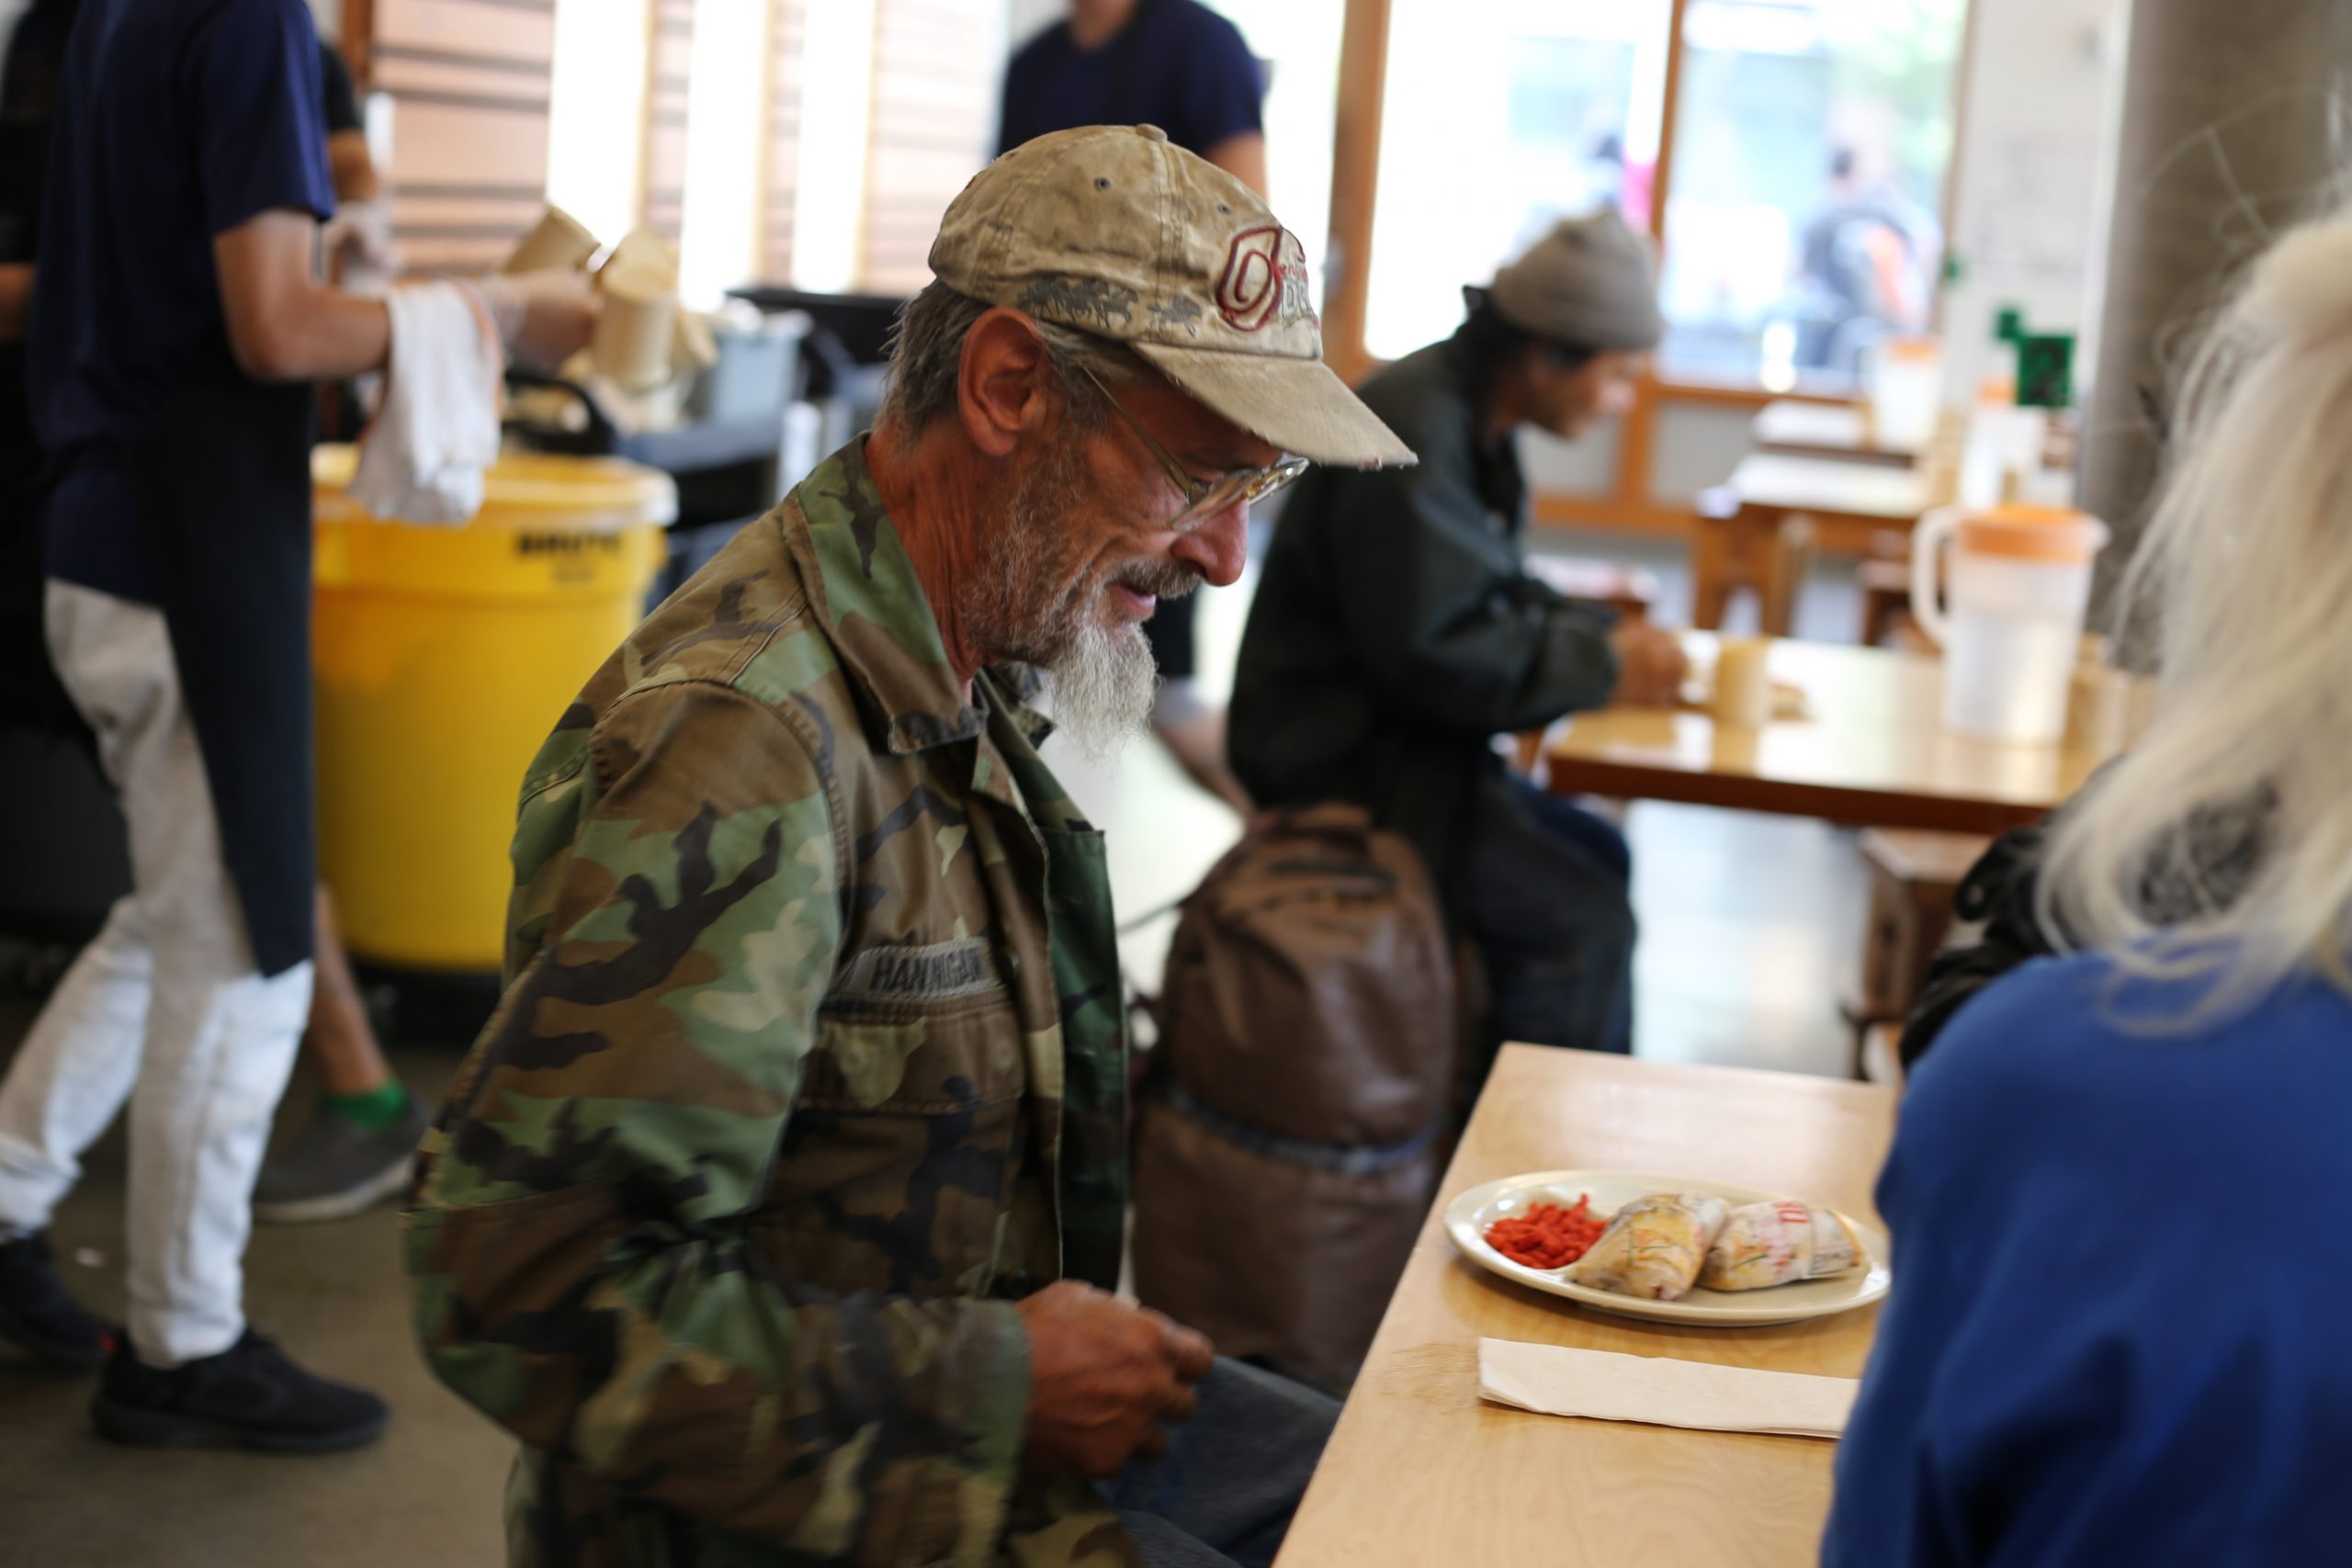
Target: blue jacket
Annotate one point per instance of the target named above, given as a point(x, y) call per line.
point(2119, 1328)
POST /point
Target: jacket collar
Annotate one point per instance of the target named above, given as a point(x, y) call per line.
point(863, 588)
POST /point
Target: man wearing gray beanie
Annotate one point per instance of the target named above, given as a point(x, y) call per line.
point(1396, 632)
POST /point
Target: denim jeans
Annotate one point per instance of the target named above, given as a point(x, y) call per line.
point(1546, 896)
point(1223, 1494)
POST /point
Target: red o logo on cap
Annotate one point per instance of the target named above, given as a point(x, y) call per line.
point(1265, 281)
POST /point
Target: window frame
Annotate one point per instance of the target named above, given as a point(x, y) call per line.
point(1630, 505)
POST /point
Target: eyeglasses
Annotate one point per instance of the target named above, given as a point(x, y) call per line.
point(1206, 497)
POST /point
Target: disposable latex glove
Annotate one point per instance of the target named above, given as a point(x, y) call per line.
point(358, 239)
point(542, 317)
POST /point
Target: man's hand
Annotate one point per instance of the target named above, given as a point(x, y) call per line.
point(1103, 1376)
point(543, 318)
point(1650, 664)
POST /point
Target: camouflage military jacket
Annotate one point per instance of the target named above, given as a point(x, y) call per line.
point(811, 1058)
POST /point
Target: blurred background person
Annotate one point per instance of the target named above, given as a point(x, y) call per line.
point(1867, 266)
point(1177, 65)
point(352, 1150)
point(179, 325)
point(1396, 633)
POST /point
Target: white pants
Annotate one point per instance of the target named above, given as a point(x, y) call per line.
point(164, 1008)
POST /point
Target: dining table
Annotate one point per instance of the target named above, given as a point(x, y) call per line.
point(1860, 742)
point(1421, 1472)
point(1789, 427)
point(1760, 528)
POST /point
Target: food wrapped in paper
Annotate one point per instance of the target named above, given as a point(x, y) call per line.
point(1778, 1242)
point(1654, 1247)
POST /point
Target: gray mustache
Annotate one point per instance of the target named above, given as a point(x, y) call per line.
point(1172, 580)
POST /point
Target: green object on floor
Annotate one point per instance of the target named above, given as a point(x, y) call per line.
point(373, 1110)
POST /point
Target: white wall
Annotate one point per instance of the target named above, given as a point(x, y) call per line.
point(2038, 139)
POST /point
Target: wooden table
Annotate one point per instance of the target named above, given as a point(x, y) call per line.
point(1745, 538)
point(1422, 1474)
point(1837, 430)
point(1872, 751)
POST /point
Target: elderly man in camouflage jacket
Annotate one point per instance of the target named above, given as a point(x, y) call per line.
point(777, 1209)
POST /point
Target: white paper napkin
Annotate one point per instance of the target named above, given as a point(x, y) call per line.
point(1552, 1380)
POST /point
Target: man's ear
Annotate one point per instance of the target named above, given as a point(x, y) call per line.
point(1004, 387)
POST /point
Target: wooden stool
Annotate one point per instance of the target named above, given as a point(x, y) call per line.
point(1913, 876)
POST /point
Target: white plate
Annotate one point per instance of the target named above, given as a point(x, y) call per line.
point(1467, 1217)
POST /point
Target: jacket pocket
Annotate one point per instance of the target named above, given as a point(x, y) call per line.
point(899, 1157)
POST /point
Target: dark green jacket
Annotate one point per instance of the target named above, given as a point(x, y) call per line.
point(1395, 632)
point(811, 1058)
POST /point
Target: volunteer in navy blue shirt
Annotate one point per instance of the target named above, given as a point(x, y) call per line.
point(1177, 65)
point(2118, 1331)
point(176, 326)
point(1172, 63)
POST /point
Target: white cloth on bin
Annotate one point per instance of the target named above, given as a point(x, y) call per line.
point(1552, 1380)
point(435, 432)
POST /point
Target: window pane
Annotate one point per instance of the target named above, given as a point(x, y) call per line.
point(1500, 117)
point(1296, 43)
point(1811, 144)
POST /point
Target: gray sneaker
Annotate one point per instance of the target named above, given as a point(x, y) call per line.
point(334, 1166)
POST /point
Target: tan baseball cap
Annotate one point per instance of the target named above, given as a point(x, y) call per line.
point(1116, 232)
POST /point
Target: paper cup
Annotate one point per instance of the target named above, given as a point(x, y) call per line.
point(1743, 682)
point(635, 328)
point(558, 242)
point(643, 251)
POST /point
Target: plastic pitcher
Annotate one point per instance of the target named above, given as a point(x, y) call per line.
point(2017, 583)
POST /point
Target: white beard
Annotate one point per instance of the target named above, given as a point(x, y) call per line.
point(1100, 675)
point(1102, 688)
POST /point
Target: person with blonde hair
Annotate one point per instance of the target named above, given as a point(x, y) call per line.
point(2116, 1330)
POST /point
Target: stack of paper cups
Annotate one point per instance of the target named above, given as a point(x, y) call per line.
point(634, 330)
point(560, 242)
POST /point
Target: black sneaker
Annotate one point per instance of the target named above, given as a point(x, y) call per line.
point(38, 1312)
point(251, 1395)
point(334, 1166)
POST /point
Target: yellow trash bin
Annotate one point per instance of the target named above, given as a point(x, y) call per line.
point(444, 657)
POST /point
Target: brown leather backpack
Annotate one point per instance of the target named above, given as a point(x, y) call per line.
point(1287, 1145)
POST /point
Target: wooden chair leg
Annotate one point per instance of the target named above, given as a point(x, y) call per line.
point(1790, 557)
point(1711, 573)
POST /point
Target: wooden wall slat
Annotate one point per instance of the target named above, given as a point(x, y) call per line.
point(788, 65)
point(445, 144)
point(413, 212)
point(468, 80)
point(930, 128)
point(669, 65)
point(467, 27)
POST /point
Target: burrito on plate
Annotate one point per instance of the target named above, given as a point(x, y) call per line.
point(1655, 1247)
point(1778, 1242)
